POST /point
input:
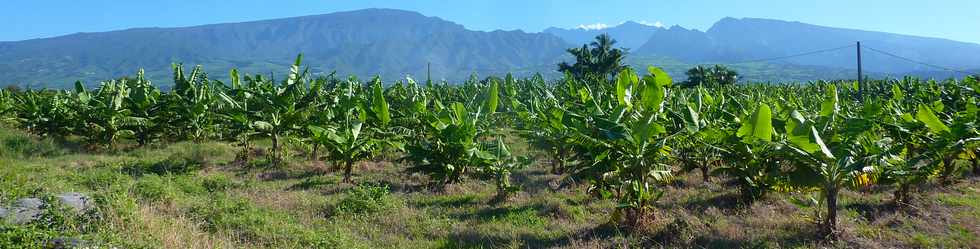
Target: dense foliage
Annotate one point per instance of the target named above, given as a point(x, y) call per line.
point(716, 75)
point(596, 59)
point(625, 137)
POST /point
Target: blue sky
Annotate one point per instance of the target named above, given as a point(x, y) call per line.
point(952, 19)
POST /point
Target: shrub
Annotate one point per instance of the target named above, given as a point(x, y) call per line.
point(16, 144)
point(219, 183)
point(57, 217)
point(224, 213)
point(221, 213)
point(153, 188)
point(189, 184)
point(15, 237)
point(523, 216)
point(104, 178)
point(174, 165)
point(364, 199)
point(55, 220)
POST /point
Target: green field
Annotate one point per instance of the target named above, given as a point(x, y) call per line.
point(631, 161)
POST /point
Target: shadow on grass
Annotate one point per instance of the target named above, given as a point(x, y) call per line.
point(476, 239)
point(314, 182)
point(265, 171)
point(402, 186)
point(535, 181)
point(449, 201)
point(725, 202)
point(789, 236)
point(169, 166)
point(501, 213)
point(872, 211)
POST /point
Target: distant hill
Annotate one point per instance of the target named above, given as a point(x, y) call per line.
point(733, 39)
point(631, 35)
point(386, 42)
point(395, 43)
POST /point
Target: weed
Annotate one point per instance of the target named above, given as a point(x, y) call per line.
point(364, 199)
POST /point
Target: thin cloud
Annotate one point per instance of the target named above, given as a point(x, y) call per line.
point(657, 24)
point(594, 26)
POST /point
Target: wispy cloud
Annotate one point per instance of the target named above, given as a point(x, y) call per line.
point(594, 26)
point(657, 24)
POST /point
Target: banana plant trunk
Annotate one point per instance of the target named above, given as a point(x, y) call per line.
point(948, 170)
point(453, 177)
point(705, 177)
point(314, 155)
point(902, 194)
point(503, 186)
point(976, 167)
point(348, 167)
point(142, 139)
point(275, 148)
point(244, 153)
point(830, 224)
point(558, 163)
point(110, 140)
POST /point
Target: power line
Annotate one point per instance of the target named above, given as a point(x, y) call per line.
point(764, 59)
point(663, 65)
point(919, 62)
point(790, 56)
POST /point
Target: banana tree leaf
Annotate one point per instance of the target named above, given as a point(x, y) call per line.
point(758, 126)
point(929, 118)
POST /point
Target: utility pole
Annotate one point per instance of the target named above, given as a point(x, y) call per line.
point(860, 73)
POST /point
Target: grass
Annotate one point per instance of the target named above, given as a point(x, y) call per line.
point(189, 195)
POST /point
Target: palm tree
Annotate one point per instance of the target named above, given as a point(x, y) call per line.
point(713, 76)
point(598, 58)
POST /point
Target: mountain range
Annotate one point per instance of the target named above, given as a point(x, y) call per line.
point(630, 34)
point(395, 43)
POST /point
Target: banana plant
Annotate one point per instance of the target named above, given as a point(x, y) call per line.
point(952, 140)
point(357, 136)
point(144, 102)
point(819, 167)
point(749, 152)
point(239, 114)
point(625, 148)
point(104, 114)
point(497, 164)
point(191, 105)
point(551, 130)
point(930, 144)
point(283, 107)
point(700, 145)
point(45, 113)
point(451, 145)
point(6, 104)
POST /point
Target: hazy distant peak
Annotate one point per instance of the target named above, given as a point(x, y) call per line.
point(678, 28)
point(629, 34)
point(626, 24)
point(656, 24)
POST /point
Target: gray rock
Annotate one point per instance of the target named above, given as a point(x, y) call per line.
point(3, 213)
point(26, 210)
point(64, 242)
point(78, 201)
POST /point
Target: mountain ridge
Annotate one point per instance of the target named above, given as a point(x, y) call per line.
point(386, 42)
point(394, 43)
point(630, 34)
point(734, 39)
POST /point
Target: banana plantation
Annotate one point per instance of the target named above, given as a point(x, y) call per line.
point(625, 139)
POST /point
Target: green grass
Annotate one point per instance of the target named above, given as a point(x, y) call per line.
point(190, 195)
